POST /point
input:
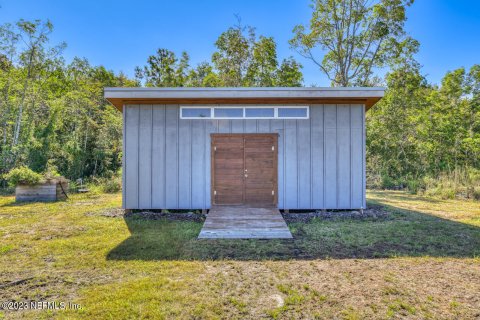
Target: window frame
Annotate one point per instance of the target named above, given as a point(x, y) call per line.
point(195, 107)
point(212, 114)
point(287, 107)
point(275, 113)
point(244, 107)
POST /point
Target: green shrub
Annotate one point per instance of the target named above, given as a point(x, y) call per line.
point(476, 194)
point(447, 193)
point(415, 185)
point(7, 191)
point(52, 173)
point(444, 193)
point(112, 185)
point(473, 176)
point(458, 183)
point(94, 188)
point(105, 185)
point(374, 181)
point(388, 182)
point(461, 183)
point(23, 175)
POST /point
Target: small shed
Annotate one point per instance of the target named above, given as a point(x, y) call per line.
point(292, 148)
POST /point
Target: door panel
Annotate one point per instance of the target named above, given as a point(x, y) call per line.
point(244, 169)
point(261, 169)
point(227, 166)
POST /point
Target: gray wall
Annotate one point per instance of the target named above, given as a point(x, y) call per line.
point(321, 160)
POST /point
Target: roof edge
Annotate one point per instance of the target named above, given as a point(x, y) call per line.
point(165, 89)
point(119, 96)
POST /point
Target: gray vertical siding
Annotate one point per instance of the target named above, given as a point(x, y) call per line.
point(131, 143)
point(145, 157)
point(172, 162)
point(159, 157)
point(321, 160)
point(199, 161)
point(330, 182)
point(317, 134)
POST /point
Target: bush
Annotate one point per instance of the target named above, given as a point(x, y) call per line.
point(374, 180)
point(7, 191)
point(447, 193)
point(112, 185)
point(441, 192)
point(106, 185)
point(23, 175)
point(473, 175)
point(415, 186)
point(461, 183)
point(52, 173)
point(476, 194)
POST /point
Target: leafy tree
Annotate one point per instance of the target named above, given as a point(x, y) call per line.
point(240, 59)
point(263, 67)
point(28, 61)
point(471, 142)
point(419, 130)
point(348, 39)
point(454, 122)
point(243, 60)
point(33, 59)
point(202, 76)
point(51, 113)
point(289, 74)
point(393, 125)
point(233, 55)
point(164, 69)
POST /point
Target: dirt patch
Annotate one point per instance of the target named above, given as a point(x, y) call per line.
point(109, 213)
point(355, 288)
point(57, 231)
point(151, 215)
point(373, 212)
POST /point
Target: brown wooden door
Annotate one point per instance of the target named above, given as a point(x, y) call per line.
point(244, 169)
point(228, 169)
point(260, 169)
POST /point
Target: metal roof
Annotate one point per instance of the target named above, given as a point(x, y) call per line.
point(244, 95)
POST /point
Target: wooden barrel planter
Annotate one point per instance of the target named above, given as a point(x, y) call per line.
point(51, 190)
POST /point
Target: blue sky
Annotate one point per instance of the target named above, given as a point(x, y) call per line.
point(122, 34)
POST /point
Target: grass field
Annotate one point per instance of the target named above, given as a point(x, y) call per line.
point(419, 261)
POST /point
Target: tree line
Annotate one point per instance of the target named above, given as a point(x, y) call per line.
point(53, 114)
point(420, 136)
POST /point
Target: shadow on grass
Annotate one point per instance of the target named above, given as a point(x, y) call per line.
point(400, 233)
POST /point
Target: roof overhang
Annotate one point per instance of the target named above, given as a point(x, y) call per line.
point(287, 95)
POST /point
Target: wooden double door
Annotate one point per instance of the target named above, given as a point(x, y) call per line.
point(244, 169)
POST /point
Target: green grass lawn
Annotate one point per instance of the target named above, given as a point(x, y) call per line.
point(419, 261)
